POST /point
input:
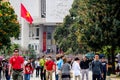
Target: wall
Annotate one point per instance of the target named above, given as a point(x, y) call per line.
point(56, 10)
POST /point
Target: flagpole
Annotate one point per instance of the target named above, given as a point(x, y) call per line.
point(22, 24)
point(24, 31)
point(22, 27)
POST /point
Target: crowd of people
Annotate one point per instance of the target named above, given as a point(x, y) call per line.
point(64, 67)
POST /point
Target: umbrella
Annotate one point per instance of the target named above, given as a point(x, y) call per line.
point(90, 55)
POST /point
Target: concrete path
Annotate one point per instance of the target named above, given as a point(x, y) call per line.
point(38, 78)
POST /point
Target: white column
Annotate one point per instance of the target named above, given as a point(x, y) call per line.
point(41, 38)
point(24, 34)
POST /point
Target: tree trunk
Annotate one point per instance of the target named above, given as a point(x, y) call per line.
point(113, 60)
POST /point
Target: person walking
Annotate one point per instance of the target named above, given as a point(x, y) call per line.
point(42, 70)
point(6, 69)
point(59, 65)
point(16, 64)
point(37, 67)
point(50, 68)
point(76, 68)
point(84, 65)
point(57, 72)
point(32, 61)
point(97, 69)
point(3, 67)
point(28, 71)
point(105, 68)
point(65, 70)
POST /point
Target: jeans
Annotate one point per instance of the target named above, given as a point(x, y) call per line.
point(27, 76)
point(104, 75)
point(37, 71)
point(84, 71)
point(57, 77)
point(7, 75)
point(42, 73)
point(96, 77)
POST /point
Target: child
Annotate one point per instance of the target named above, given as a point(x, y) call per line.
point(28, 71)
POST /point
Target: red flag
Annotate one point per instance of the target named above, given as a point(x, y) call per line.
point(25, 14)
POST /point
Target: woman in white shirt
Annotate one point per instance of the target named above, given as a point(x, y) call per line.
point(76, 68)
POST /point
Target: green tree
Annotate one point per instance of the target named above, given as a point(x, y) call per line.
point(66, 37)
point(95, 23)
point(98, 24)
point(9, 26)
point(12, 47)
point(66, 34)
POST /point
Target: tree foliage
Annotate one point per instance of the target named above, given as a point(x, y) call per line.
point(104, 26)
point(66, 34)
point(95, 23)
point(9, 26)
point(66, 37)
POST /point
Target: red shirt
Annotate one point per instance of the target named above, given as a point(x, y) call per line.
point(16, 62)
point(28, 69)
point(49, 65)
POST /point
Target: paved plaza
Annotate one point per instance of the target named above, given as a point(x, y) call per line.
point(90, 77)
point(38, 78)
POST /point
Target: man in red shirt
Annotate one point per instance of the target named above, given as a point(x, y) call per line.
point(17, 65)
point(50, 68)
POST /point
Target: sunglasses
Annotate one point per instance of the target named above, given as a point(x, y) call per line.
point(16, 51)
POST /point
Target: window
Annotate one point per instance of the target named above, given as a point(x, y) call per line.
point(32, 46)
point(35, 47)
point(49, 28)
point(49, 36)
point(29, 46)
point(37, 32)
point(43, 8)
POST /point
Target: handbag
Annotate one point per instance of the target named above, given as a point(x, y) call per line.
point(71, 74)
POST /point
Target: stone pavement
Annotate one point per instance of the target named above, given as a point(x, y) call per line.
point(90, 77)
point(34, 78)
point(113, 78)
point(38, 78)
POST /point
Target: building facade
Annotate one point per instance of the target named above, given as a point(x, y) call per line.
point(46, 15)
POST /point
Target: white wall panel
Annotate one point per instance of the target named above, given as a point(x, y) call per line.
point(56, 10)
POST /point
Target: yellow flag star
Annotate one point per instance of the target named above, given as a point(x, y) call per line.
point(27, 15)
